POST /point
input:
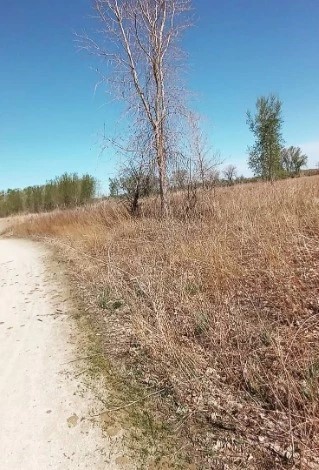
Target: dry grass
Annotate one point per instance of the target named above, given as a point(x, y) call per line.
point(221, 305)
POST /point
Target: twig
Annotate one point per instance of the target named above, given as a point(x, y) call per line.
point(82, 372)
point(79, 359)
point(52, 314)
point(62, 313)
point(182, 421)
point(122, 407)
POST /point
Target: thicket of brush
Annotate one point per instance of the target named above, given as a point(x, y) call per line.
point(221, 301)
point(68, 190)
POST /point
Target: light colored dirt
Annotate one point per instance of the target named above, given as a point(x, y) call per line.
point(44, 408)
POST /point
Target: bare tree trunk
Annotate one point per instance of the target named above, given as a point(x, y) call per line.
point(163, 187)
point(161, 158)
point(140, 42)
point(135, 201)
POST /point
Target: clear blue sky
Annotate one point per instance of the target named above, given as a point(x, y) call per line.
point(51, 118)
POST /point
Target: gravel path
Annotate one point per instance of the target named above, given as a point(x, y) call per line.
point(43, 405)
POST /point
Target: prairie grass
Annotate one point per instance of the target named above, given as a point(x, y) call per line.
point(220, 303)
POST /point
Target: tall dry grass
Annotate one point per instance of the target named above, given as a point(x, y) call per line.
point(222, 303)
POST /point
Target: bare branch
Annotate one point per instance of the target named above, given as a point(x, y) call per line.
point(138, 40)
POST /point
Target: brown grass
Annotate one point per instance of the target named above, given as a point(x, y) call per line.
point(221, 305)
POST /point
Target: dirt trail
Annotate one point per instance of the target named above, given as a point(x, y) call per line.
point(43, 405)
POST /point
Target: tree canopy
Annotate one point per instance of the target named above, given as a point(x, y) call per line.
point(68, 190)
point(265, 155)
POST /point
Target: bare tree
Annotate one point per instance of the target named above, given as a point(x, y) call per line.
point(205, 162)
point(139, 41)
point(180, 178)
point(230, 174)
point(136, 181)
point(137, 173)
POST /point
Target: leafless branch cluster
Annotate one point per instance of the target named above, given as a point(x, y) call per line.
point(139, 40)
point(205, 162)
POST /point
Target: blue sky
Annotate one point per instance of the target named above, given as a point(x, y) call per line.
point(52, 119)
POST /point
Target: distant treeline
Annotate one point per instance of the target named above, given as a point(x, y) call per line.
point(68, 190)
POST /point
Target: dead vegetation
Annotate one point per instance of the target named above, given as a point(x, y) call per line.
point(218, 304)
